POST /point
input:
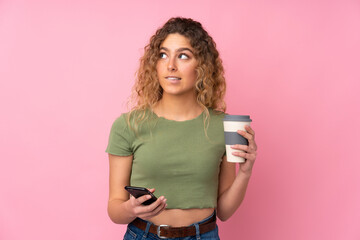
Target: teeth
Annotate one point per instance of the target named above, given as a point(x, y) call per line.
point(173, 78)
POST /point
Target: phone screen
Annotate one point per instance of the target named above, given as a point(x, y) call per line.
point(140, 191)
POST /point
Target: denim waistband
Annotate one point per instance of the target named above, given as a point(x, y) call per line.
point(145, 233)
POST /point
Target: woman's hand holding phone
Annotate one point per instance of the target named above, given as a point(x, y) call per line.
point(136, 207)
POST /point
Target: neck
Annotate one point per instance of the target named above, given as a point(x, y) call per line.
point(177, 108)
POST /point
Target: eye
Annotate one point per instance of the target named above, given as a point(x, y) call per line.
point(162, 55)
point(183, 56)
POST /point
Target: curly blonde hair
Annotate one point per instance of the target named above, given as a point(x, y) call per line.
point(210, 83)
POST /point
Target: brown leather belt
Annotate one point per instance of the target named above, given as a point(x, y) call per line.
point(165, 231)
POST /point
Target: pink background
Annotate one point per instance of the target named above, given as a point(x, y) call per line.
point(66, 70)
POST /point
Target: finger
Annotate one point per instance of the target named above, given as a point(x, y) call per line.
point(155, 204)
point(240, 147)
point(250, 139)
point(145, 210)
point(152, 190)
point(159, 209)
point(239, 154)
point(149, 215)
point(246, 135)
point(153, 208)
point(251, 148)
point(254, 147)
point(133, 200)
point(142, 199)
point(250, 130)
point(247, 156)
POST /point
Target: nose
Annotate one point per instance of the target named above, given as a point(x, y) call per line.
point(172, 64)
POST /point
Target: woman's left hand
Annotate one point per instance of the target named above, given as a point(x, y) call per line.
point(249, 151)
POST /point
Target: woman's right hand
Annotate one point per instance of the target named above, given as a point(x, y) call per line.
point(121, 209)
point(146, 212)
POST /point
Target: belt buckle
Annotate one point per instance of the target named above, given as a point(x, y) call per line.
point(159, 231)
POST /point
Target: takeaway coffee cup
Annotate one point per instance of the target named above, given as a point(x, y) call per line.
point(233, 123)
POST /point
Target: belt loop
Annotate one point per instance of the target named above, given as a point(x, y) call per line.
point(146, 232)
point(197, 231)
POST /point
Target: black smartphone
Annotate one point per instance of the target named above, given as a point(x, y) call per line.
point(140, 191)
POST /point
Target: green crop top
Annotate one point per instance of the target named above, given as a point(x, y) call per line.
point(174, 157)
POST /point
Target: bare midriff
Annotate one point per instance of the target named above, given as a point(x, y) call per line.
point(181, 217)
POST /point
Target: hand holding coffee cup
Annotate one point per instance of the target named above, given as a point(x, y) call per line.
point(233, 123)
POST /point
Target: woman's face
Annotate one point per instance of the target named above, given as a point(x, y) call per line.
point(176, 67)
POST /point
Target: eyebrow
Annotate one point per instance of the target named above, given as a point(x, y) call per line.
point(177, 50)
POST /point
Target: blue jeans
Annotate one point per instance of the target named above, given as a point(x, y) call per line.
point(134, 233)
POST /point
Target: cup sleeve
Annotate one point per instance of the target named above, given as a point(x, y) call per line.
point(120, 138)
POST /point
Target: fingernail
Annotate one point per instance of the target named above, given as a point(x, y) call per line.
point(148, 196)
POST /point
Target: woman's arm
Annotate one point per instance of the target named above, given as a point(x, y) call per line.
point(121, 208)
point(232, 187)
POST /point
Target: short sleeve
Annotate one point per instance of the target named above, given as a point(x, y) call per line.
point(120, 139)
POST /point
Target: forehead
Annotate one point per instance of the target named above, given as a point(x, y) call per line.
point(176, 40)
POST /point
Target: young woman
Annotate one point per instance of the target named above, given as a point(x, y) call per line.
point(172, 141)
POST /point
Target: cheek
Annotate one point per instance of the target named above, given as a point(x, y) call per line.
point(189, 69)
point(159, 69)
point(192, 72)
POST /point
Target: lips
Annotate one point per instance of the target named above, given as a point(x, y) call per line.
point(172, 78)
